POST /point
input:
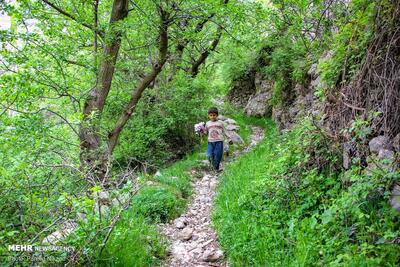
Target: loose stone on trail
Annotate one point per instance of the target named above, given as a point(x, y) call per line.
point(186, 233)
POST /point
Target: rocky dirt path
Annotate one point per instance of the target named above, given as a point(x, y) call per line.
point(193, 240)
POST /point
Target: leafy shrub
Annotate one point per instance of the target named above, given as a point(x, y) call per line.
point(278, 205)
point(350, 44)
point(158, 203)
point(133, 243)
point(30, 191)
point(163, 130)
point(284, 62)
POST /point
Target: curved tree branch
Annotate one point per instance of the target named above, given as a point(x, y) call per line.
point(137, 93)
point(194, 70)
point(90, 140)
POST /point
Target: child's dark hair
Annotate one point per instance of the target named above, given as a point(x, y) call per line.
point(213, 110)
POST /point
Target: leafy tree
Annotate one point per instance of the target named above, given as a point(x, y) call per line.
point(76, 60)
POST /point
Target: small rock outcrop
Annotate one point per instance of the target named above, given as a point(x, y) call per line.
point(231, 130)
point(243, 88)
point(258, 105)
point(385, 154)
point(252, 93)
point(378, 143)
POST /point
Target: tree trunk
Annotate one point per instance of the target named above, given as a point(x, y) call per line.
point(96, 154)
point(93, 157)
point(137, 93)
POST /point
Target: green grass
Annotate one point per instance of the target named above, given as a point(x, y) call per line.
point(177, 175)
point(238, 230)
point(158, 203)
point(161, 198)
point(134, 242)
point(275, 208)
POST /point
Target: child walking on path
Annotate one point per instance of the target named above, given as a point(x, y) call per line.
point(216, 132)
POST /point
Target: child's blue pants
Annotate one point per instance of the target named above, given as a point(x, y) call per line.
point(214, 153)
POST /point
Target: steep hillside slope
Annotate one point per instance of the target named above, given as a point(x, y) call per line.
point(276, 206)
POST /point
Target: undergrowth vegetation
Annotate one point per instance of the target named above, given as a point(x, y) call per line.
point(135, 240)
point(161, 197)
point(163, 131)
point(68, 133)
point(134, 243)
point(276, 207)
